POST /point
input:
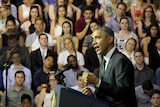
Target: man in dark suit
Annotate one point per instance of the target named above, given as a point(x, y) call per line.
point(38, 55)
point(115, 83)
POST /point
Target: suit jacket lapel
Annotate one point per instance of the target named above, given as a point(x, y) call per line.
point(110, 65)
point(39, 56)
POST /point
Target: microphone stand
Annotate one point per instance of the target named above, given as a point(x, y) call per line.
point(6, 66)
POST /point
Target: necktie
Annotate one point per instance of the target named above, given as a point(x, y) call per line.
point(104, 64)
point(54, 101)
point(102, 68)
point(99, 58)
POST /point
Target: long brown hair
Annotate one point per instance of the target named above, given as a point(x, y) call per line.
point(57, 16)
point(153, 16)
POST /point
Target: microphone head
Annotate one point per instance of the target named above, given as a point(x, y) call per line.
point(67, 66)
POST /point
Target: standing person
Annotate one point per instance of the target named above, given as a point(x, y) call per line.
point(115, 82)
point(16, 91)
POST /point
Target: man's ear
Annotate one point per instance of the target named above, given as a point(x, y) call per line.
point(110, 39)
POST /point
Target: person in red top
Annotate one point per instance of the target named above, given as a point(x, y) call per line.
point(82, 25)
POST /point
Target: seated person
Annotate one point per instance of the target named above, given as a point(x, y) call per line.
point(47, 95)
point(16, 66)
point(81, 85)
point(15, 92)
point(87, 43)
point(12, 29)
point(70, 50)
point(32, 40)
point(143, 91)
point(71, 74)
point(155, 98)
point(141, 71)
point(40, 76)
point(38, 55)
point(26, 100)
point(13, 45)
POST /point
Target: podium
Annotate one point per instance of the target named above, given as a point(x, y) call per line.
point(67, 97)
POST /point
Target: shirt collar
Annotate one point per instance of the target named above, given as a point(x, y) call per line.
point(45, 50)
point(158, 51)
point(12, 88)
point(12, 66)
point(109, 54)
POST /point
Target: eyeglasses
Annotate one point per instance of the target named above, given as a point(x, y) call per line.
point(148, 11)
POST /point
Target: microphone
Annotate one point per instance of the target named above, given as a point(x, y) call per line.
point(7, 63)
point(59, 74)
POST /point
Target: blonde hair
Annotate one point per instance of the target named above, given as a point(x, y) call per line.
point(7, 8)
point(32, 1)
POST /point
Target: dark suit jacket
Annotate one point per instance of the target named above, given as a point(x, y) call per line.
point(91, 59)
point(117, 82)
point(36, 59)
point(154, 59)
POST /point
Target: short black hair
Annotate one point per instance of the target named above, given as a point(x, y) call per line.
point(94, 21)
point(41, 35)
point(11, 18)
point(154, 91)
point(19, 72)
point(88, 8)
point(71, 56)
point(122, 3)
point(138, 51)
point(50, 55)
point(147, 85)
point(25, 96)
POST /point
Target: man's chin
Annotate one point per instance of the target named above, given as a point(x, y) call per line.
point(99, 52)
